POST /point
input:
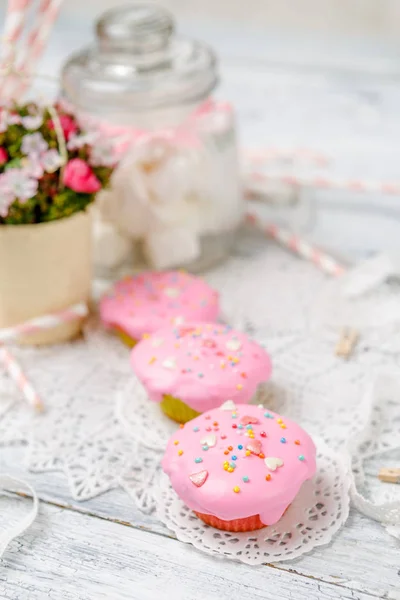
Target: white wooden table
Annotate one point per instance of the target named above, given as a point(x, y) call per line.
point(105, 548)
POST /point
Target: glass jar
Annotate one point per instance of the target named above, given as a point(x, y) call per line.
point(176, 191)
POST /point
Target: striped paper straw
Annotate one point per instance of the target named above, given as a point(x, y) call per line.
point(45, 322)
point(256, 181)
point(274, 153)
point(299, 246)
point(13, 27)
point(47, 14)
point(17, 375)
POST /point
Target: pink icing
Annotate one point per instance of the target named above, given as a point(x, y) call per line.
point(146, 302)
point(206, 487)
point(202, 364)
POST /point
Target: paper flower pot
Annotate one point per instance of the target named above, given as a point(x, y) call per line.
point(45, 268)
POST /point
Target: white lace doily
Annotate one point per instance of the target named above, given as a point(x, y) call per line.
point(90, 429)
point(318, 511)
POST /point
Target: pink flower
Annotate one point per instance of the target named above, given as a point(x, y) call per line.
point(68, 125)
point(3, 156)
point(79, 177)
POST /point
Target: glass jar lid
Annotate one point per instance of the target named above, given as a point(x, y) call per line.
point(138, 64)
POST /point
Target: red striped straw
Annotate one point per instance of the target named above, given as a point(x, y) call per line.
point(37, 39)
point(17, 375)
point(299, 246)
point(77, 311)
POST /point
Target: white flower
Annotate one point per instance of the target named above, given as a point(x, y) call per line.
point(3, 121)
point(32, 121)
point(76, 142)
point(34, 144)
point(19, 184)
point(6, 196)
point(51, 161)
point(102, 155)
point(33, 166)
point(13, 119)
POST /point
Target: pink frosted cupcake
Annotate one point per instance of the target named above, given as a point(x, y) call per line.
point(239, 467)
point(192, 368)
point(141, 304)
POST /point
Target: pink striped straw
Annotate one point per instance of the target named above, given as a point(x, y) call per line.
point(299, 246)
point(13, 27)
point(256, 182)
point(17, 375)
point(72, 313)
point(274, 153)
point(47, 14)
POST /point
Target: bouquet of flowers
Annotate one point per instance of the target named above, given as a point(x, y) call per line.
point(49, 167)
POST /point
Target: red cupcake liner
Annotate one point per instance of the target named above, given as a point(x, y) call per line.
point(236, 525)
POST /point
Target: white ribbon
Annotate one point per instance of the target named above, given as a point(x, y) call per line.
point(6, 484)
point(385, 384)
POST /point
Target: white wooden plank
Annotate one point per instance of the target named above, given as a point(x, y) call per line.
point(68, 556)
point(375, 556)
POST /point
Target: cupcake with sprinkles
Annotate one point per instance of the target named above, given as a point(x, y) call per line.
point(139, 305)
point(239, 467)
point(192, 368)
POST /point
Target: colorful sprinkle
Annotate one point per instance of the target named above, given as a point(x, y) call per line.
point(236, 489)
point(279, 421)
point(232, 465)
point(200, 375)
point(230, 448)
point(249, 426)
point(209, 440)
point(297, 442)
point(240, 447)
point(230, 469)
point(152, 360)
point(255, 447)
point(246, 420)
point(169, 363)
point(234, 426)
point(283, 426)
point(268, 477)
point(198, 459)
point(263, 434)
point(180, 452)
point(261, 455)
point(228, 405)
point(226, 452)
point(176, 442)
point(245, 478)
point(248, 453)
point(234, 457)
point(273, 463)
point(239, 386)
point(268, 415)
point(240, 426)
point(301, 457)
point(198, 479)
point(205, 447)
point(283, 440)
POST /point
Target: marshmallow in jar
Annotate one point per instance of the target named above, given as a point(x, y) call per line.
point(176, 191)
